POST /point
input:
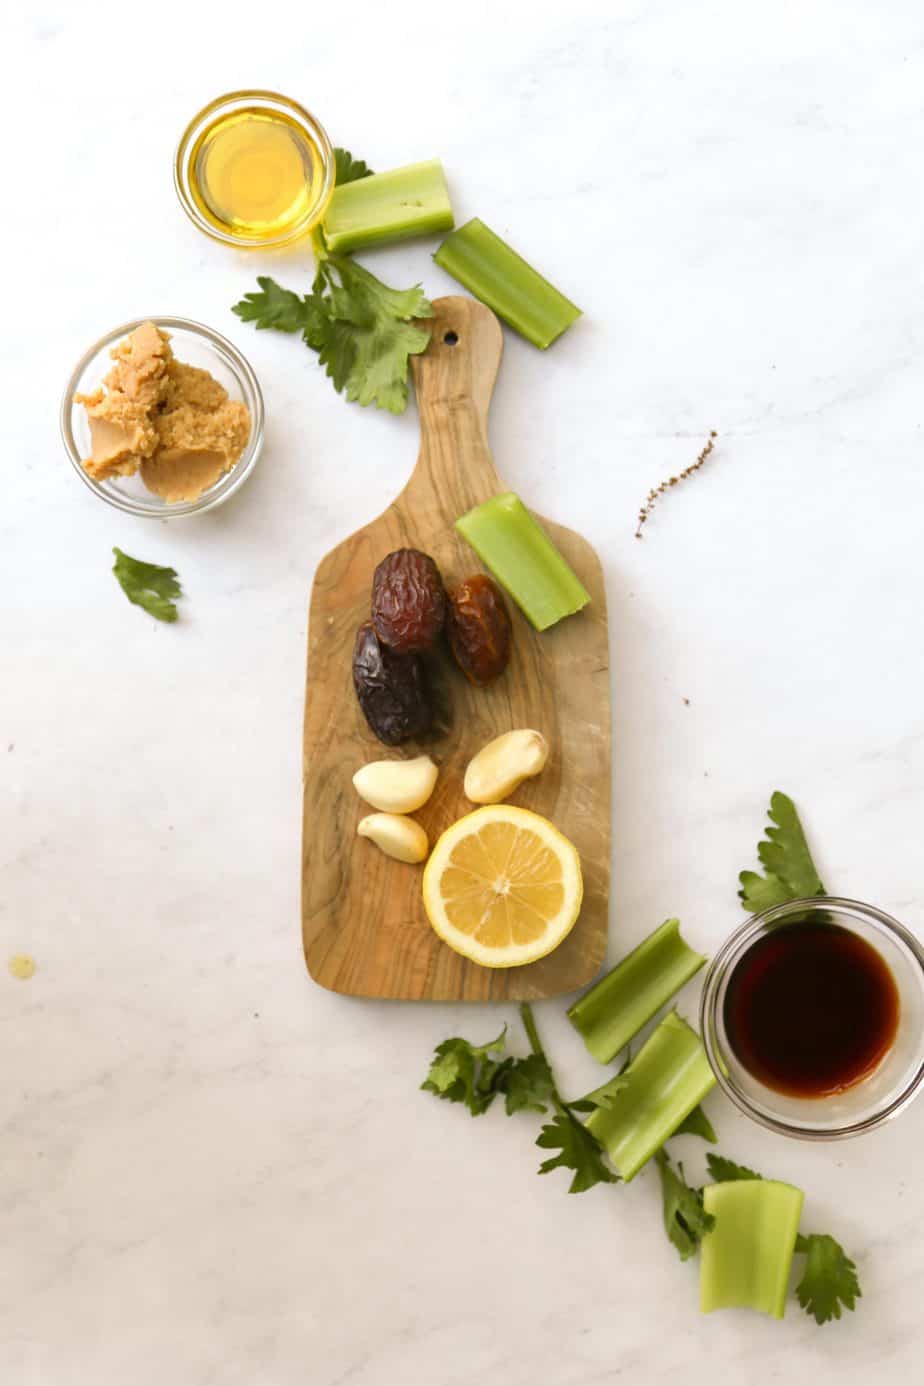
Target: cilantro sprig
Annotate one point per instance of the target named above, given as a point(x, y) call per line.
point(363, 331)
point(148, 585)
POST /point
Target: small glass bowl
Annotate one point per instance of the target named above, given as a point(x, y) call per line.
point(196, 345)
point(271, 102)
point(879, 1096)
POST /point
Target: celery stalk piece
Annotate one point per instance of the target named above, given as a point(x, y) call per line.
point(410, 201)
point(523, 559)
point(491, 270)
point(747, 1255)
point(668, 1077)
point(616, 1008)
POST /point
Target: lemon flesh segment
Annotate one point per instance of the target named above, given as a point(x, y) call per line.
point(503, 886)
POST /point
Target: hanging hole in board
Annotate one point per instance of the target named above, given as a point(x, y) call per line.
point(450, 337)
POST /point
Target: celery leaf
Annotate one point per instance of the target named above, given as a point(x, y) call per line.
point(148, 585)
point(578, 1150)
point(789, 872)
point(348, 169)
point(363, 331)
point(722, 1171)
point(686, 1222)
point(281, 309)
point(697, 1124)
point(370, 333)
point(528, 1085)
point(468, 1073)
point(829, 1279)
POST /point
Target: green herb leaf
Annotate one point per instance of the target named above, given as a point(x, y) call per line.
point(348, 169)
point(148, 585)
point(370, 333)
point(829, 1279)
point(722, 1171)
point(363, 331)
point(605, 1097)
point(789, 872)
point(578, 1151)
point(468, 1073)
point(686, 1222)
point(281, 309)
point(697, 1124)
point(528, 1085)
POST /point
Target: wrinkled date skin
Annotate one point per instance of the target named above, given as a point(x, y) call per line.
point(408, 601)
point(478, 629)
point(392, 689)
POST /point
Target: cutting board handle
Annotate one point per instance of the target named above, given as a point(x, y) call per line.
point(454, 381)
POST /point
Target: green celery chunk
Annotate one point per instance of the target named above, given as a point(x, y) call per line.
point(491, 270)
point(393, 206)
point(668, 1077)
point(747, 1256)
point(611, 1012)
point(522, 557)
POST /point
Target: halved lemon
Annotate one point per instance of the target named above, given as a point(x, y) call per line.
point(503, 886)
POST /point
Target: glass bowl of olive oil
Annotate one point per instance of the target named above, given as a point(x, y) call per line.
point(254, 169)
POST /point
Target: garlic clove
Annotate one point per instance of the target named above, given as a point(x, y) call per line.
point(396, 786)
point(397, 836)
point(505, 763)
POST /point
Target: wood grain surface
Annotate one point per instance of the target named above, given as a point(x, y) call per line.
point(365, 932)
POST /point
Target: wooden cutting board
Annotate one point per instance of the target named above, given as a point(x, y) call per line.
point(364, 927)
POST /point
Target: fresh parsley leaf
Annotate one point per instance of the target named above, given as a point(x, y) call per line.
point(468, 1073)
point(686, 1222)
point(789, 872)
point(578, 1151)
point(148, 585)
point(528, 1085)
point(697, 1124)
point(348, 169)
point(370, 333)
point(722, 1171)
point(829, 1279)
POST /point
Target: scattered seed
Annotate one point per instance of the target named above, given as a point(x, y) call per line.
point(657, 491)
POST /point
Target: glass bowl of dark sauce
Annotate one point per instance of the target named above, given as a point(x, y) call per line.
point(812, 1015)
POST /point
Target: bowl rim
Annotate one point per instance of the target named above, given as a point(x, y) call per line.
point(233, 479)
point(255, 96)
point(712, 981)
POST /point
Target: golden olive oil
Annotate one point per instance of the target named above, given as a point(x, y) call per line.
point(256, 173)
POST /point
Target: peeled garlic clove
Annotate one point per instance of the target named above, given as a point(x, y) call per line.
point(503, 764)
point(397, 836)
point(396, 786)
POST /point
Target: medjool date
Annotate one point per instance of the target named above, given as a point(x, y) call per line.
point(408, 601)
point(478, 629)
point(392, 689)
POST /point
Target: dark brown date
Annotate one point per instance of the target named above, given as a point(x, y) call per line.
point(392, 689)
point(478, 628)
point(408, 601)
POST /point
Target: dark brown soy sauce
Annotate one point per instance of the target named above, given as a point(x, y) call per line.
point(811, 1009)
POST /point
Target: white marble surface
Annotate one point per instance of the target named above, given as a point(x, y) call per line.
point(211, 1172)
